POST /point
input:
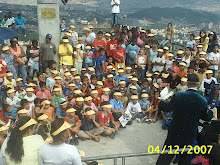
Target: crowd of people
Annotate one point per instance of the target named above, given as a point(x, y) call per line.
point(99, 76)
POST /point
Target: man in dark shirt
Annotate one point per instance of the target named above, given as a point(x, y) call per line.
point(174, 79)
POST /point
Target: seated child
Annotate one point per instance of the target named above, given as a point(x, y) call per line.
point(9, 81)
point(95, 99)
point(70, 91)
point(90, 104)
point(117, 106)
point(10, 112)
point(56, 96)
point(30, 96)
point(134, 107)
point(43, 127)
point(182, 87)
point(167, 118)
point(78, 106)
point(20, 93)
point(134, 81)
point(145, 104)
point(63, 69)
point(37, 102)
point(43, 93)
point(47, 110)
point(90, 126)
point(12, 100)
point(93, 82)
point(154, 104)
point(3, 134)
point(3, 119)
point(29, 107)
point(105, 94)
point(77, 80)
point(131, 92)
point(99, 86)
point(145, 88)
point(110, 82)
point(50, 81)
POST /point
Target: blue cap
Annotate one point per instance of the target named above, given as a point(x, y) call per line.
point(112, 34)
point(49, 36)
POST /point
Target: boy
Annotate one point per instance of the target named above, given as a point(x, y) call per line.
point(110, 83)
point(9, 82)
point(63, 106)
point(208, 86)
point(158, 61)
point(78, 106)
point(120, 76)
point(109, 62)
point(90, 104)
point(191, 42)
point(182, 72)
point(91, 71)
point(214, 58)
point(43, 93)
point(201, 72)
point(30, 96)
point(109, 71)
point(134, 107)
point(173, 79)
point(77, 80)
point(134, 81)
point(98, 44)
point(50, 81)
point(95, 99)
point(93, 82)
point(63, 25)
point(10, 113)
point(131, 51)
point(111, 45)
point(25, 104)
point(131, 92)
point(154, 104)
point(106, 120)
point(117, 106)
point(57, 83)
point(100, 63)
point(57, 95)
point(169, 62)
point(165, 52)
point(90, 126)
point(119, 55)
point(144, 102)
point(70, 92)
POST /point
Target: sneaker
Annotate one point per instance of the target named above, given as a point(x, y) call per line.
point(25, 35)
point(144, 118)
point(139, 120)
point(76, 141)
point(112, 136)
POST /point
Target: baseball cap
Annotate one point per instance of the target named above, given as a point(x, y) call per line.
point(112, 34)
point(176, 69)
point(49, 36)
point(193, 78)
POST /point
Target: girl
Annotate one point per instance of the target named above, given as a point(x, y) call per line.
point(141, 40)
point(34, 57)
point(78, 58)
point(154, 104)
point(47, 110)
point(105, 94)
point(46, 73)
point(30, 96)
point(128, 70)
point(40, 77)
point(169, 36)
point(212, 41)
point(88, 57)
point(141, 61)
point(204, 40)
point(89, 103)
point(51, 80)
point(63, 69)
point(153, 52)
point(182, 87)
point(187, 58)
point(157, 78)
point(3, 69)
point(43, 93)
point(95, 99)
point(20, 92)
point(169, 62)
point(37, 106)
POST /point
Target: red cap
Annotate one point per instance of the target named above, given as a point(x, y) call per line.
point(176, 69)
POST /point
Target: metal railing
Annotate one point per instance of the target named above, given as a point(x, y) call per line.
point(115, 157)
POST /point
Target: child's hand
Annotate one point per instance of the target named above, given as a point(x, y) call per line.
point(123, 113)
point(9, 117)
point(96, 138)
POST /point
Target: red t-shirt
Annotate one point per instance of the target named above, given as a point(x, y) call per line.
point(100, 44)
point(119, 54)
point(105, 120)
point(183, 74)
point(96, 101)
point(111, 45)
point(109, 85)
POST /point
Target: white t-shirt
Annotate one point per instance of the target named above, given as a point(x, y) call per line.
point(158, 67)
point(10, 21)
point(64, 154)
point(13, 101)
point(134, 108)
point(215, 58)
point(169, 64)
point(115, 8)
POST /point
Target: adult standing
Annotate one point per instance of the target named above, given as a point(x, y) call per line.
point(212, 41)
point(188, 108)
point(58, 152)
point(11, 20)
point(47, 52)
point(88, 38)
point(18, 54)
point(169, 35)
point(20, 23)
point(22, 147)
point(115, 11)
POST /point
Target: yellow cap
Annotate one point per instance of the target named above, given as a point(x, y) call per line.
point(62, 128)
point(130, 77)
point(209, 71)
point(170, 54)
point(121, 71)
point(180, 52)
point(147, 46)
point(29, 123)
point(156, 73)
point(76, 77)
point(64, 63)
point(128, 68)
point(54, 71)
point(160, 50)
point(42, 117)
point(64, 103)
point(29, 89)
point(91, 69)
point(80, 38)
point(3, 128)
point(133, 87)
point(77, 46)
point(110, 76)
point(88, 47)
point(58, 78)
point(156, 85)
point(117, 94)
point(183, 64)
point(91, 112)
point(73, 69)
point(32, 85)
point(70, 110)
point(149, 74)
point(5, 48)
point(197, 38)
point(149, 79)
point(199, 46)
point(45, 102)
point(107, 34)
point(19, 79)
point(122, 82)
point(144, 95)
point(67, 74)
point(10, 91)
point(68, 34)
point(86, 29)
point(166, 47)
point(72, 26)
point(72, 85)
point(134, 97)
point(9, 74)
point(203, 59)
point(142, 31)
point(90, 27)
point(184, 79)
point(109, 67)
point(99, 83)
point(70, 31)
point(107, 106)
point(94, 92)
point(14, 39)
point(78, 91)
point(65, 40)
point(81, 153)
point(22, 111)
point(134, 79)
point(49, 140)
point(56, 89)
point(202, 53)
point(150, 35)
point(106, 89)
point(165, 75)
point(88, 98)
point(83, 69)
point(79, 99)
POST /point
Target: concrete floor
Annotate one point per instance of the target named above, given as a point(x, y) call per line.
point(135, 138)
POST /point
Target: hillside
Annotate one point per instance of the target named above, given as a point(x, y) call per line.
point(176, 14)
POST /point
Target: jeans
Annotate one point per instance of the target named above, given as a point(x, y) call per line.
point(141, 73)
point(22, 27)
point(21, 72)
point(88, 65)
point(140, 115)
point(166, 124)
point(165, 42)
point(35, 65)
point(115, 17)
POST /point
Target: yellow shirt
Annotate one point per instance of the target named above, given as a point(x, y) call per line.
point(69, 58)
point(201, 76)
point(205, 46)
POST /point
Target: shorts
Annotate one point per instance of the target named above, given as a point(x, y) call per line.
point(92, 131)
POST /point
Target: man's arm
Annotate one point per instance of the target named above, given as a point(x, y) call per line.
point(167, 106)
point(206, 114)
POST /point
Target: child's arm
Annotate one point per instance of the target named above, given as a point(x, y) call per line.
point(116, 126)
point(33, 113)
point(135, 114)
point(101, 99)
point(164, 115)
point(99, 68)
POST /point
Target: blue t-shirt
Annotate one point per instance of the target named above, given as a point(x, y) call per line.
point(13, 113)
point(119, 78)
point(60, 112)
point(117, 104)
point(20, 21)
point(100, 61)
point(190, 43)
point(132, 51)
point(63, 26)
point(152, 54)
point(144, 104)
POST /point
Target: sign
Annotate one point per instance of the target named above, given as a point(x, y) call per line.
point(48, 13)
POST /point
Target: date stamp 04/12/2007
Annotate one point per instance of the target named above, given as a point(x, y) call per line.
point(188, 149)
